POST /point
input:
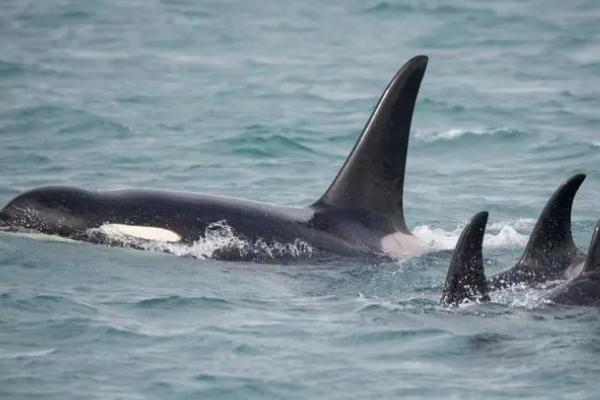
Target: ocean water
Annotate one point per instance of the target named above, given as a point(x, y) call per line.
point(263, 100)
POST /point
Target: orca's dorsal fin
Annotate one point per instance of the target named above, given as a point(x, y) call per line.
point(466, 276)
point(592, 261)
point(372, 177)
point(552, 231)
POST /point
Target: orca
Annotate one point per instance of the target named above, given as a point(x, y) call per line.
point(584, 288)
point(361, 214)
point(466, 277)
point(551, 253)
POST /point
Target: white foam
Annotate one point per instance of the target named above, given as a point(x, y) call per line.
point(437, 238)
point(499, 234)
point(37, 236)
point(217, 236)
point(455, 133)
point(26, 354)
point(524, 296)
point(507, 236)
point(519, 224)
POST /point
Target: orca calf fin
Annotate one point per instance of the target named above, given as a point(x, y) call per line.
point(552, 230)
point(550, 249)
point(372, 177)
point(592, 261)
point(466, 277)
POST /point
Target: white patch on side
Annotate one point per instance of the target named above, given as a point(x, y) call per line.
point(401, 245)
point(140, 232)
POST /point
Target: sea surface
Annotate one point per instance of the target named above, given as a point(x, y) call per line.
point(263, 100)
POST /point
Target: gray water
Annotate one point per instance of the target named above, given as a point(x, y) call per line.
point(263, 100)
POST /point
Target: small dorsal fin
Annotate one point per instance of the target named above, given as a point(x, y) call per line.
point(553, 227)
point(592, 261)
point(372, 177)
point(551, 244)
point(466, 276)
point(550, 250)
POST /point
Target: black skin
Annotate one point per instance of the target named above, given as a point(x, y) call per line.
point(72, 212)
point(581, 291)
point(466, 279)
point(584, 288)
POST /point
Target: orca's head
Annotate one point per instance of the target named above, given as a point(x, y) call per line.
point(58, 210)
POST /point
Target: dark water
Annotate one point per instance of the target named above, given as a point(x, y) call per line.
point(264, 100)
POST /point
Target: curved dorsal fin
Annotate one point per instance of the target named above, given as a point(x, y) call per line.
point(592, 261)
point(550, 250)
point(552, 231)
point(466, 276)
point(372, 177)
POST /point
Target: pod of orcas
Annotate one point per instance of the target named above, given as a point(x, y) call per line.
point(360, 215)
point(550, 256)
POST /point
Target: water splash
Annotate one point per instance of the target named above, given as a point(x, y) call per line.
point(499, 234)
point(458, 133)
point(524, 296)
point(219, 241)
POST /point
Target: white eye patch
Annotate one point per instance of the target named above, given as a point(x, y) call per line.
point(140, 232)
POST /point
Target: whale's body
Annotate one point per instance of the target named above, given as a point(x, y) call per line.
point(360, 214)
point(583, 286)
point(82, 215)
